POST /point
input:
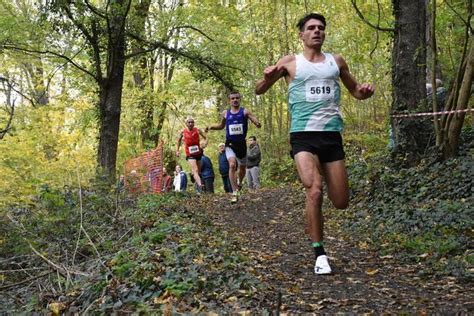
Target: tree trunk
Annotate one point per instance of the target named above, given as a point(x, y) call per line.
point(111, 93)
point(169, 63)
point(142, 75)
point(460, 95)
point(434, 62)
point(408, 76)
point(9, 108)
point(38, 86)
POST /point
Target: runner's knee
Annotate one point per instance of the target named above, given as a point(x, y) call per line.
point(340, 203)
point(233, 165)
point(314, 193)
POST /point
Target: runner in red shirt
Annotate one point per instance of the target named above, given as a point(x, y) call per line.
point(192, 147)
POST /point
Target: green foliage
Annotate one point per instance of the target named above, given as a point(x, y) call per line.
point(153, 248)
point(278, 171)
point(177, 253)
point(421, 213)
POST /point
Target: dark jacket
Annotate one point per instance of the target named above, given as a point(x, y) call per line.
point(253, 156)
point(183, 183)
point(223, 164)
point(206, 168)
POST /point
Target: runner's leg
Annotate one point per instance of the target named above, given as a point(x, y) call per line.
point(242, 169)
point(335, 175)
point(193, 163)
point(309, 171)
point(233, 173)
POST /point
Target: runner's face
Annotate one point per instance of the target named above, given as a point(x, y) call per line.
point(190, 124)
point(313, 33)
point(221, 148)
point(234, 100)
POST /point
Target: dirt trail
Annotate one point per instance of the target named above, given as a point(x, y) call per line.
point(270, 225)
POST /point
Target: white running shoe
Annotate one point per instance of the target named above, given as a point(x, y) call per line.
point(234, 198)
point(322, 265)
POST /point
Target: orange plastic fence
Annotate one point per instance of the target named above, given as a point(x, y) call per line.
point(144, 173)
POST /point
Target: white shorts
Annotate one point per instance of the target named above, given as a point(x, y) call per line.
point(229, 153)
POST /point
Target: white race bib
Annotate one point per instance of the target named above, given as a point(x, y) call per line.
point(319, 89)
point(193, 149)
point(236, 129)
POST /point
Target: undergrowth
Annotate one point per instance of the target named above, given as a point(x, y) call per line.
point(146, 255)
point(419, 214)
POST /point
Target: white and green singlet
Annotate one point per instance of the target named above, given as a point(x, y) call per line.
point(314, 96)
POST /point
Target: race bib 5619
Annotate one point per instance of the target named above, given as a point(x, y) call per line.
point(319, 89)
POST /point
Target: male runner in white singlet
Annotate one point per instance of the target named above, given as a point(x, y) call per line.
point(316, 123)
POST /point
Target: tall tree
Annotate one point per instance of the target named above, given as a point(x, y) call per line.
point(449, 126)
point(99, 36)
point(8, 108)
point(408, 75)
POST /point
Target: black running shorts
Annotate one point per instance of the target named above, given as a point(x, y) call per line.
point(239, 147)
point(198, 158)
point(326, 145)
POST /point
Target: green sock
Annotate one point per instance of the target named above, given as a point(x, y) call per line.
point(318, 249)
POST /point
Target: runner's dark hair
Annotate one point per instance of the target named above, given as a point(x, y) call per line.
point(233, 92)
point(308, 17)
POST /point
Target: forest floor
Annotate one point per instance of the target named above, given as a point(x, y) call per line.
point(269, 226)
point(203, 255)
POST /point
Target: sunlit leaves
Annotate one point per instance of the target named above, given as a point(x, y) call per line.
point(43, 150)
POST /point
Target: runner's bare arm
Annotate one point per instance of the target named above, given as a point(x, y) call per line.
point(271, 74)
point(252, 118)
point(219, 126)
point(179, 143)
point(358, 91)
point(204, 135)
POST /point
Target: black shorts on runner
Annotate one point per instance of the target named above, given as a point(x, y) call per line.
point(239, 148)
point(198, 158)
point(326, 145)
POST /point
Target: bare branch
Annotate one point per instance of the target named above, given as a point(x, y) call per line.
point(10, 108)
point(192, 28)
point(61, 270)
point(467, 22)
point(209, 65)
point(377, 27)
point(91, 38)
point(6, 287)
point(377, 36)
point(4, 131)
point(95, 10)
point(11, 86)
point(55, 54)
point(82, 226)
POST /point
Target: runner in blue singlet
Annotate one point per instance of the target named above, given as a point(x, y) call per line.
point(235, 121)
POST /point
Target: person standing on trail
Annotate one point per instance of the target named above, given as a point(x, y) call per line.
point(235, 121)
point(180, 181)
point(166, 181)
point(224, 168)
point(316, 123)
point(207, 174)
point(193, 149)
point(253, 164)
